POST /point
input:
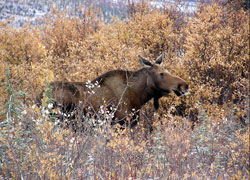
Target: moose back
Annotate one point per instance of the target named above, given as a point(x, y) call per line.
point(125, 91)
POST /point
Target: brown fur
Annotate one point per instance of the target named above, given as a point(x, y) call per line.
point(126, 90)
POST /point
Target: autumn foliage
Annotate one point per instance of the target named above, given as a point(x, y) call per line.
point(202, 135)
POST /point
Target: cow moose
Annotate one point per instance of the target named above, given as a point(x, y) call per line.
point(126, 90)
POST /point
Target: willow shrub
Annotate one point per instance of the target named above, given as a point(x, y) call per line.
point(209, 50)
point(217, 59)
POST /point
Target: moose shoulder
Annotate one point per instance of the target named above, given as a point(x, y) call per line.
point(128, 91)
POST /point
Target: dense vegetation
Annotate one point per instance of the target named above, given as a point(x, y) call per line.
point(202, 135)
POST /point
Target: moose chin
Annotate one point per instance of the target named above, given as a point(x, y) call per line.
point(127, 91)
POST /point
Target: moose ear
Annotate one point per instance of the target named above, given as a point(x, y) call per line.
point(159, 60)
point(144, 62)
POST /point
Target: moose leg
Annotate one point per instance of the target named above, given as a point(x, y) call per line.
point(135, 119)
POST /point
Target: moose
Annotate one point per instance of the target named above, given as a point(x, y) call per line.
point(127, 91)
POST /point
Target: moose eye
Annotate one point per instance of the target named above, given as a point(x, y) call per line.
point(161, 75)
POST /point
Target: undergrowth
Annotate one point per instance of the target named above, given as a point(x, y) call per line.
point(204, 135)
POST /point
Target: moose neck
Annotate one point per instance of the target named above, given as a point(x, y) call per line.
point(143, 91)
